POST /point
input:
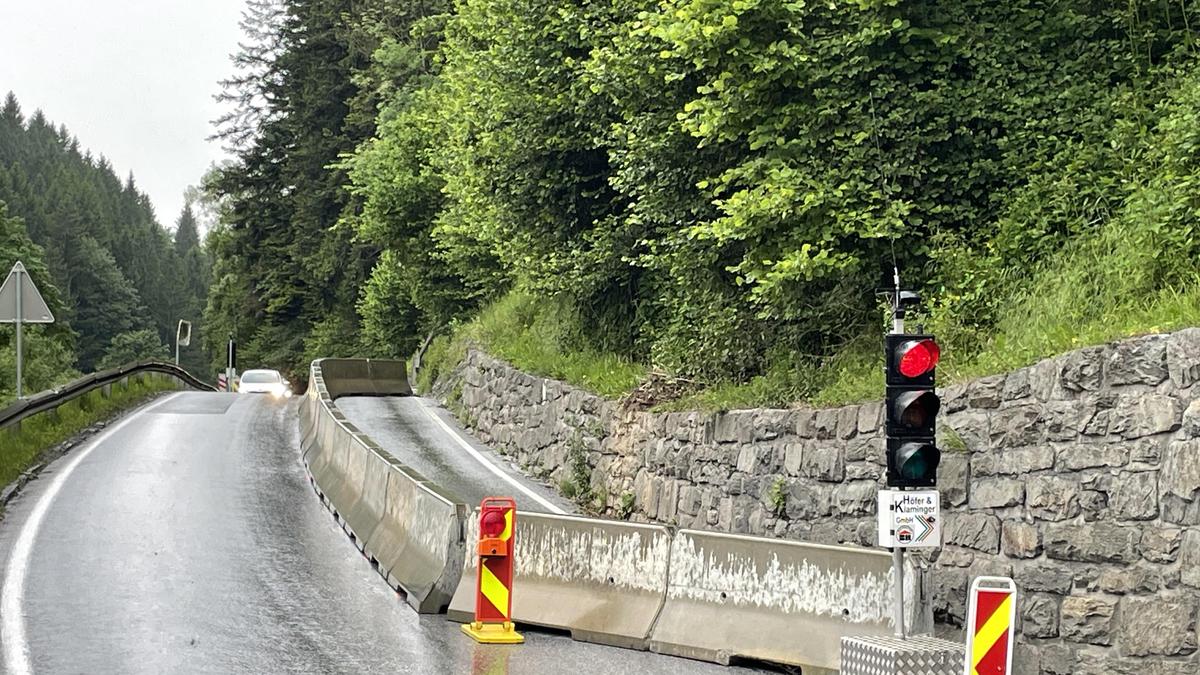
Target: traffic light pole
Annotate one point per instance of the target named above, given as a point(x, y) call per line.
point(897, 551)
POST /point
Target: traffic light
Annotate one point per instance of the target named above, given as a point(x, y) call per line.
point(912, 408)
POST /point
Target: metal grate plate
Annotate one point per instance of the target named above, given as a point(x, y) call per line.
point(918, 655)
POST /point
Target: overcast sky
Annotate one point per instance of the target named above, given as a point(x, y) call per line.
point(133, 79)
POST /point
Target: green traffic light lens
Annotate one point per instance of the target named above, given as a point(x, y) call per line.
point(919, 462)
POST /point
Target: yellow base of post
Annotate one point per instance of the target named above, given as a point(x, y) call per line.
point(493, 633)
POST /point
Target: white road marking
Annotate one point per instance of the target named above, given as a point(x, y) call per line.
point(462, 442)
point(12, 620)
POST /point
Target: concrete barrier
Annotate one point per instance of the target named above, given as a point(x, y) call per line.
point(702, 595)
point(733, 597)
point(404, 524)
point(364, 377)
point(418, 543)
point(604, 581)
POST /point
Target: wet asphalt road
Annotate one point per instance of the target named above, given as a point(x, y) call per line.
point(186, 538)
point(408, 428)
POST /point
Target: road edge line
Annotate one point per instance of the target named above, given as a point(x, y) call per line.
point(462, 442)
point(12, 620)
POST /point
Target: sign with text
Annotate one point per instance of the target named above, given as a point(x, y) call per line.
point(910, 518)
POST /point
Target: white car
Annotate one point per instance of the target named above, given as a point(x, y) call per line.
point(264, 382)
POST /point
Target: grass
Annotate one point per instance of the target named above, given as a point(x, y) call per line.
point(536, 336)
point(1128, 277)
point(20, 449)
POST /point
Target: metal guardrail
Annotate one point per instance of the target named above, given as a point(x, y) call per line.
point(53, 398)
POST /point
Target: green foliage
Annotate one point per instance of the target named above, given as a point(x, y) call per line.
point(778, 496)
point(21, 448)
point(133, 346)
point(538, 336)
point(47, 363)
point(625, 507)
point(718, 189)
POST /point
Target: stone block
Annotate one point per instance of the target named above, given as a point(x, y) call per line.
point(732, 426)
point(954, 397)
point(1076, 457)
point(805, 423)
point(1066, 420)
point(826, 424)
point(1045, 576)
point(954, 473)
point(1087, 619)
point(854, 499)
point(992, 493)
point(865, 471)
point(689, 500)
point(792, 455)
point(1183, 357)
point(1016, 385)
point(1164, 625)
point(1052, 497)
point(1083, 369)
point(1181, 469)
point(870, 418)
point(1092, 542)
point(1039, 616)
point(1043, 379)
point(971, 426)
point(1191, 420)
point(847, 426)
point(1138, 361)
point(1016, 426)
point(986, 392)
point(865, 448)
point(1055, 659)
point(748, 459)
point(1189, 558)
point(807, 500)
point(1135, 496)
point(825, 463)
point(1014, 461)
point(1136, 416)
point(978, 531)
point(1161, 545)
point(1125, 579)
point(1020, 540)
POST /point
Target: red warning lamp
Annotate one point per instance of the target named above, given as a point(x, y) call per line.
point(491, 524)
point(494, 577)
point(917, 357)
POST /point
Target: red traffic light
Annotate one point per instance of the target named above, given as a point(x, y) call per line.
point(917, 357)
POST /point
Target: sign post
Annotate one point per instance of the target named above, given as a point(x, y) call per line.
point(231, 364)
point(22, 303)
point(183, 337)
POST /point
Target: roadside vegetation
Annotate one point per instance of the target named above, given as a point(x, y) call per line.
point(20, 449)
point(710, 192)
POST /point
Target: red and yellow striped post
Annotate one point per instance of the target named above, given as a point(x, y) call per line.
point(493, 585)
point(991, 620)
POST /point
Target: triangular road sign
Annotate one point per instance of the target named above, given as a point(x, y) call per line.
point(33, 307)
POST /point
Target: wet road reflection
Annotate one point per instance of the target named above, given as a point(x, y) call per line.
point(189, 541)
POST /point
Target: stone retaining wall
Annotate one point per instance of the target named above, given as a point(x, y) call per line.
point(1078, 476)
